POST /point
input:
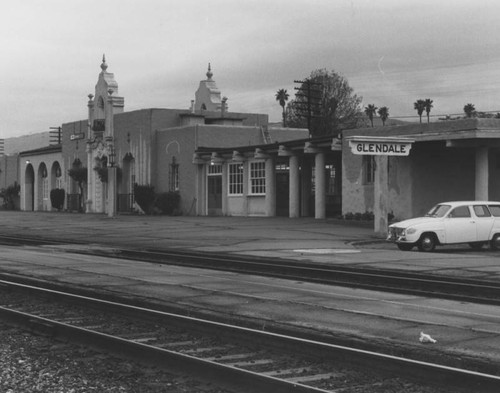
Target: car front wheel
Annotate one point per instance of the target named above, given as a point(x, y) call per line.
point(495, 242)
point(427, 242)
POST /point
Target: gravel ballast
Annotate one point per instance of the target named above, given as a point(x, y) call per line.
point(36, 363)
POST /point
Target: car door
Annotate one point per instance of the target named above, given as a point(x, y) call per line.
point(460, 226)
point(484, 222)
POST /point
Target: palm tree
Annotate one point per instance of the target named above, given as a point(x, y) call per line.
point(419, 105)
point(383, 113)
point(469, 110)
point(370, 110)
point(282, 97)
point(428, 106)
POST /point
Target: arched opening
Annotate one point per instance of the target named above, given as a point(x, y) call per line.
point(29, 188)
point(56, 176)
point(57, 192)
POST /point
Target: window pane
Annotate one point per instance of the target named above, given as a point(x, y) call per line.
point(481, 211)
point(495, 210)
point(235, 179)
point(461, 211)
point(258, 177)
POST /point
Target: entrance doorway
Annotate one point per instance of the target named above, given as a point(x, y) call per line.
point(214, 195)
point(282, 192)
point(29, 188)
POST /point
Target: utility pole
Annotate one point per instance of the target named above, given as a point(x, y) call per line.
point(55, 135)
point(311, 107)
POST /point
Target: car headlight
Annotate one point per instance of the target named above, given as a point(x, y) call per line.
point(410, 231)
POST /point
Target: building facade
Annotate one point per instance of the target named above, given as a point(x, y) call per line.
point(146, 147)
point(227, 163)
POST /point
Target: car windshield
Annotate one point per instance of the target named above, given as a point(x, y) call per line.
point(438, 211)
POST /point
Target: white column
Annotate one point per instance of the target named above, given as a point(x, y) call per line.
point(319, 197)
point(306, 173)
point(482, 174)
point(294, 187)
point(200, 190)
point(246, 176)
point(111, 191)
point(381, 190)
point(270, 187)
point(224, 188)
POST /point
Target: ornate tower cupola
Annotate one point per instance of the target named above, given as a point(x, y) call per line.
point(106, 100)
point(208, 96)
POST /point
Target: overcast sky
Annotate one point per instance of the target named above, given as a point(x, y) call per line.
point(392, 52)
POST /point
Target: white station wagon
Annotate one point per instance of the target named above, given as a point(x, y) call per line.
point(474, 222)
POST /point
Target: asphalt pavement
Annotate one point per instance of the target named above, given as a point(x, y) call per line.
point(307, 239)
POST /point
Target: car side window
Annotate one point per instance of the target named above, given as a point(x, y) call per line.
point(460, 212)
point(495, 210)
point(481, 211)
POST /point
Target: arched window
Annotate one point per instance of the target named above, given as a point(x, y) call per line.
point(174, 175)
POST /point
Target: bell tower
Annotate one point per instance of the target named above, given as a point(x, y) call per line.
point(101, 170)
point(104, 103)
point(208, 96)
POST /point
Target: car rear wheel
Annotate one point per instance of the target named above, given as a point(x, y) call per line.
point(495, 242)
point(405, 247)
point(427, 242)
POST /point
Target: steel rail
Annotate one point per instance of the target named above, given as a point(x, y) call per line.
point(407, 367)
point(419, 284)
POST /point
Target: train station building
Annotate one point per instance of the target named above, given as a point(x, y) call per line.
point(152, 146)
point(237, 164)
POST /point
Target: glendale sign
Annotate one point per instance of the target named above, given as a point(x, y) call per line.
point(380, 146)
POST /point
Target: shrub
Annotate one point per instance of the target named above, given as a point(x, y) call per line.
point(57, 198)
point(168, 202)
point(349, 216)
point(367, 216)
point(10, 195)
point(145, 197)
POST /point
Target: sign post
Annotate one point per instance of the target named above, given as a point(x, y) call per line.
point(380, 147)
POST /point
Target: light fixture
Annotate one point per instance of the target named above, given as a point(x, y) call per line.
point(28, 162)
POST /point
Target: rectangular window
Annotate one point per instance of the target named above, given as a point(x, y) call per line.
point(258, 178)
point(235, 179)
point(214, 169)
point(368, 169)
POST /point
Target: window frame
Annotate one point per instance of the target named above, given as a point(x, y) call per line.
point(257, 178)
point(235, 179)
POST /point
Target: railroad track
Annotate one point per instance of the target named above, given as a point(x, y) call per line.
point(418, 284)
point(250, 359)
